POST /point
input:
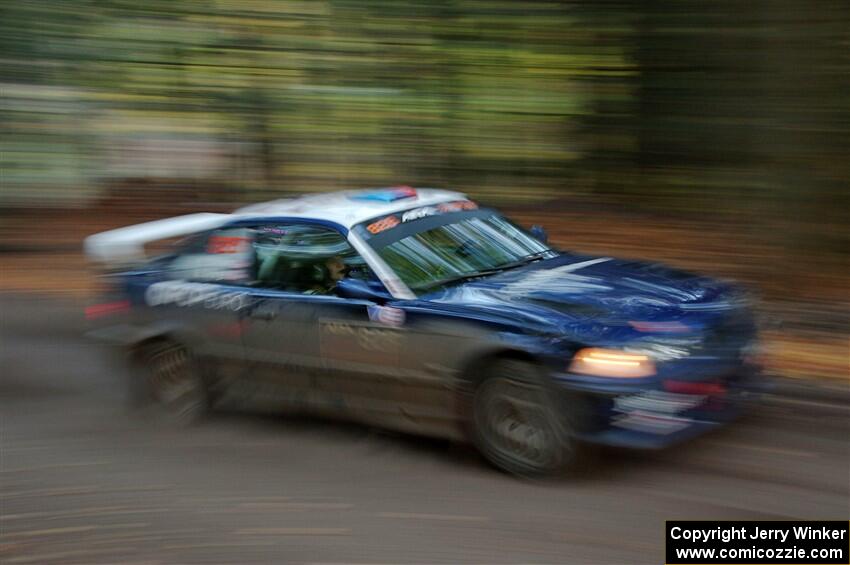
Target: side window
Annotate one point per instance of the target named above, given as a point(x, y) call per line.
point(304, 258)
point(224, 256)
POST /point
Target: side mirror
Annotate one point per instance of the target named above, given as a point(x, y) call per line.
point(539, 233)
point(360, 289)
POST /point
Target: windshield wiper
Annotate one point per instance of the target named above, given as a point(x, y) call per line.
point(486, 272)
point(527, 259)
point(458, 278)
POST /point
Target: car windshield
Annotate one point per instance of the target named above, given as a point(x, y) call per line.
point(434, 252)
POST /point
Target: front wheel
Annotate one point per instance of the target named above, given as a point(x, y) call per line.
point(517, 423)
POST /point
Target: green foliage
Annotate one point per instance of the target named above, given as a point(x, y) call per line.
point(669, 106)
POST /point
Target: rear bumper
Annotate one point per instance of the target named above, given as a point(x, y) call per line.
point(647, 415)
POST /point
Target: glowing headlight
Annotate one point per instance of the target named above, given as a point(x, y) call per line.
point(611, 363)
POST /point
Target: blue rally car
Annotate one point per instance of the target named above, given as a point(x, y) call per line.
point(421, 311)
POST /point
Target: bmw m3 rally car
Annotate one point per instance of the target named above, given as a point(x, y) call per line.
point(421, 311)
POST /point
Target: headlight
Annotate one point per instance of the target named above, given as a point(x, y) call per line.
point(612, 363)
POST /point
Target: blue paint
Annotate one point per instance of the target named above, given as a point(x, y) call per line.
point(551, 308)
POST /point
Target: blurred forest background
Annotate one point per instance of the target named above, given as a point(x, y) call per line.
point(711, 134)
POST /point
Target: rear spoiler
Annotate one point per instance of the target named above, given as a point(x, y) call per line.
point(128, 244)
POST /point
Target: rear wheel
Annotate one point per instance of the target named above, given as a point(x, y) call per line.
point(518, 424)
point(167, 384)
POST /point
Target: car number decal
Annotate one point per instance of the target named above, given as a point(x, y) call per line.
point(383, 224)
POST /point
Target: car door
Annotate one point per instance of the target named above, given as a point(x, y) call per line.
point(358, 358)
point(276, 325)
point(318, 350)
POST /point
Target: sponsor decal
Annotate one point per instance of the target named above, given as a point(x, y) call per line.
point(457, 206)
point(418, 213)
point(368, 337)
point(389, 222)
point(651, 423)
point(654, 411)
point(658, 401)
point(444, 208)
point(275, 230)
point(186, 294)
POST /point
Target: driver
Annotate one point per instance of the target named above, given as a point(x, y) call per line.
point(331, 271)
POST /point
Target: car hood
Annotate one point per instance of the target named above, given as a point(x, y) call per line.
point(595, 294)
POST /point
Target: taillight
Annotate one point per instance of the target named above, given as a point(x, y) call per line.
point(96, 311)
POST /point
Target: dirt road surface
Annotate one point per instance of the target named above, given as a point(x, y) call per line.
point(82, 480)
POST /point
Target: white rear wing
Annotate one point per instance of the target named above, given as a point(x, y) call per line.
point(128, 243)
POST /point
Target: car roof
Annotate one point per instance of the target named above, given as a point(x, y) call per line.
point(350, 207)
point(345, 208)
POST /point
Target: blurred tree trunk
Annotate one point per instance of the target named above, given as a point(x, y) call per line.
point(258, 119)
point(804, 142)
point(697, 90)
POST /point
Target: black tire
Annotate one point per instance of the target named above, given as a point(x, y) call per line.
point(166, 383)
point(519, 425)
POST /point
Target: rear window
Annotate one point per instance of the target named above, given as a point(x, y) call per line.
point(223, 256)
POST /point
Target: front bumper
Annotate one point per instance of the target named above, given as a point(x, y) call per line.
point(663, 410)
